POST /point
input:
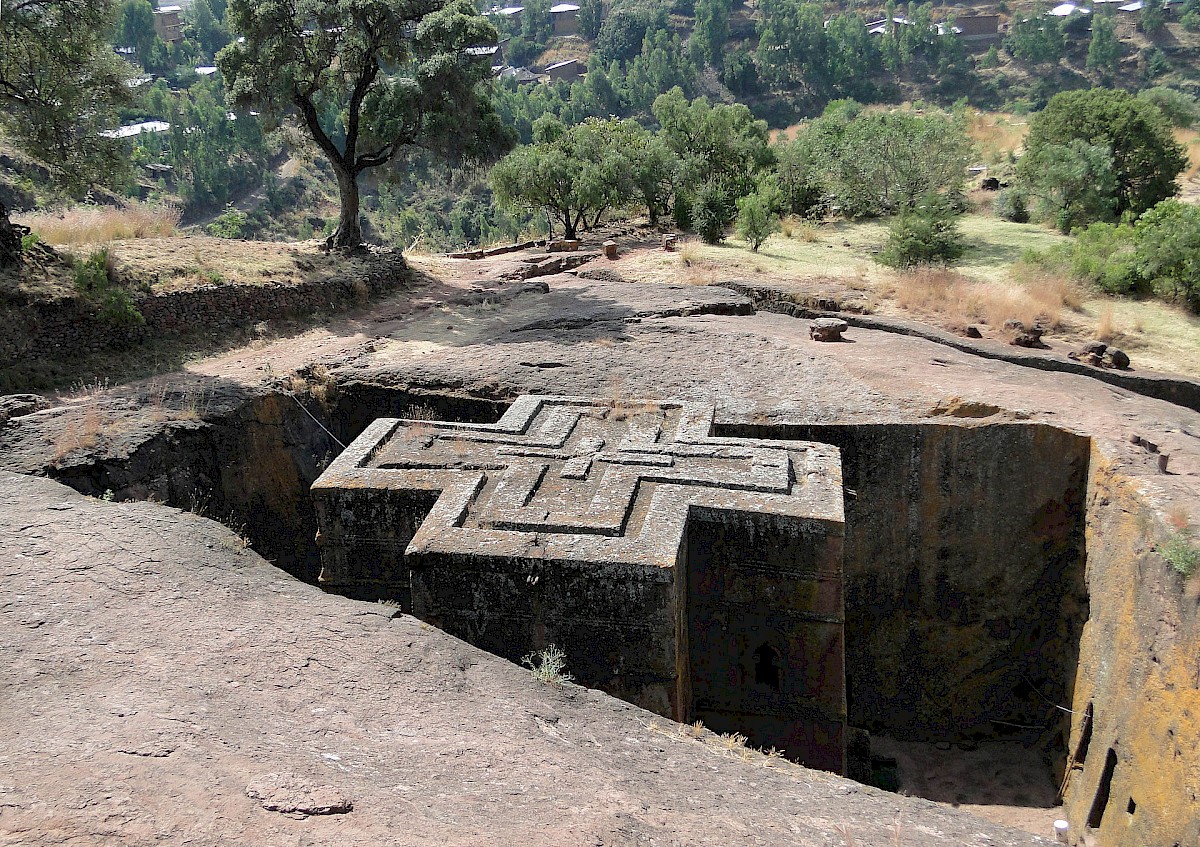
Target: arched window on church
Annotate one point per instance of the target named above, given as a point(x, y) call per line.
point(767, 667)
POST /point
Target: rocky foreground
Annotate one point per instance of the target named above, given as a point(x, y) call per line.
point(164, 684)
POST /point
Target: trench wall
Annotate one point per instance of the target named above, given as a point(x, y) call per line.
point(1134, 773)
point(965, 557)
point(964, 562)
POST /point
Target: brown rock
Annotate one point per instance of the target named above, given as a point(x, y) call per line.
point(827, 329)
point(292, 794)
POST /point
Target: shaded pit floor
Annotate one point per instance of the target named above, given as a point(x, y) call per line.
point(1003, 781)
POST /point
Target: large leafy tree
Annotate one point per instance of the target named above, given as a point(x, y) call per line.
point(1145, 157)
point(368, 80)
point(59, 83)
point(880, 163)
point(574, 174)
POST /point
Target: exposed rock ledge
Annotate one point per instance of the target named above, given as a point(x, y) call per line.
point(163, 684)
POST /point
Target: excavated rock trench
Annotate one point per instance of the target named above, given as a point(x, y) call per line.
point(964, 561)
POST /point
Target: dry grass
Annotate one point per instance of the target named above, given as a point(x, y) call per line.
point(799, 228)
point(1106, 326)
point(102, 224)
point(81, 434)
point(996, 134)
point(959, 300)
point(1178, 518)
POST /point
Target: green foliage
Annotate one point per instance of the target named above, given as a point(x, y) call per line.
point(1151, 17)
point(712, 29)
point(799, 53)
point(229, 224)
point(1190, 20)
point(991, 59)
point(1037, 39)
point(721, 147)
point(205, 28)
point(1104, 51)
point(623, 31)
point(1011, 204)
point(1157, 63)
point(1145, 157)
point(590, 17)
point(1181, 554)
point(29, 241)
point(92, 274)
point(1160, 253)
point(548, 666)
point(574, 174)
point(1103, 255)
point(1074, 182)
point(882, 162)
point(800, 176)
point(925, 235)
point(1167, 251)
point(370, 79)
point(59, 85)
point(94, 279)
point(755, 220)
point(711, 212)
point(135, 28)
point(1179, 107)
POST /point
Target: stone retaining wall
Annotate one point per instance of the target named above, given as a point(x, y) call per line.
point(73, 325)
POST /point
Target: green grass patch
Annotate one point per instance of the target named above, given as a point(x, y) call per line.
point(1181, 554)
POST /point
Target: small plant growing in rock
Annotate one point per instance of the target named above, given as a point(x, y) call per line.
point(1181, 554)
point(548, 666)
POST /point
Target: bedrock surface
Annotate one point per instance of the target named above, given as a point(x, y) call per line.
point(165, 685)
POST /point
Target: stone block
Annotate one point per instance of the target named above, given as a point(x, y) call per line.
point(697, 576)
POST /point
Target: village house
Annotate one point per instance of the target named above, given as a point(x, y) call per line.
point(167, 25)
point(566, 18)
point(568, 70)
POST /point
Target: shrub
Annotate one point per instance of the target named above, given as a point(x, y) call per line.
point(94, 279)
point(1011, 204)
point(755, 221)
point(548, 666)
point(927, 235)
point(711, 213)
point(1167, 251)
point(1103, 256)
point(94, 274)
point(229, 224)
point(1181, 554)
point(1180, 108)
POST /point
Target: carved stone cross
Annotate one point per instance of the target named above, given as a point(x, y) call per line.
point(676, 568)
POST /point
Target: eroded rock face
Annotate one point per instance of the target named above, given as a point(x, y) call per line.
point(15, 405)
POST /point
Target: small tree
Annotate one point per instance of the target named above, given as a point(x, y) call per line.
point(59, 85)
point(574, 174)
point(1104, 51)
point(755, 220)
point(711, 213)
point(367, 80)
point(1074, 182)
point(925, 235)
point(1167, 251)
